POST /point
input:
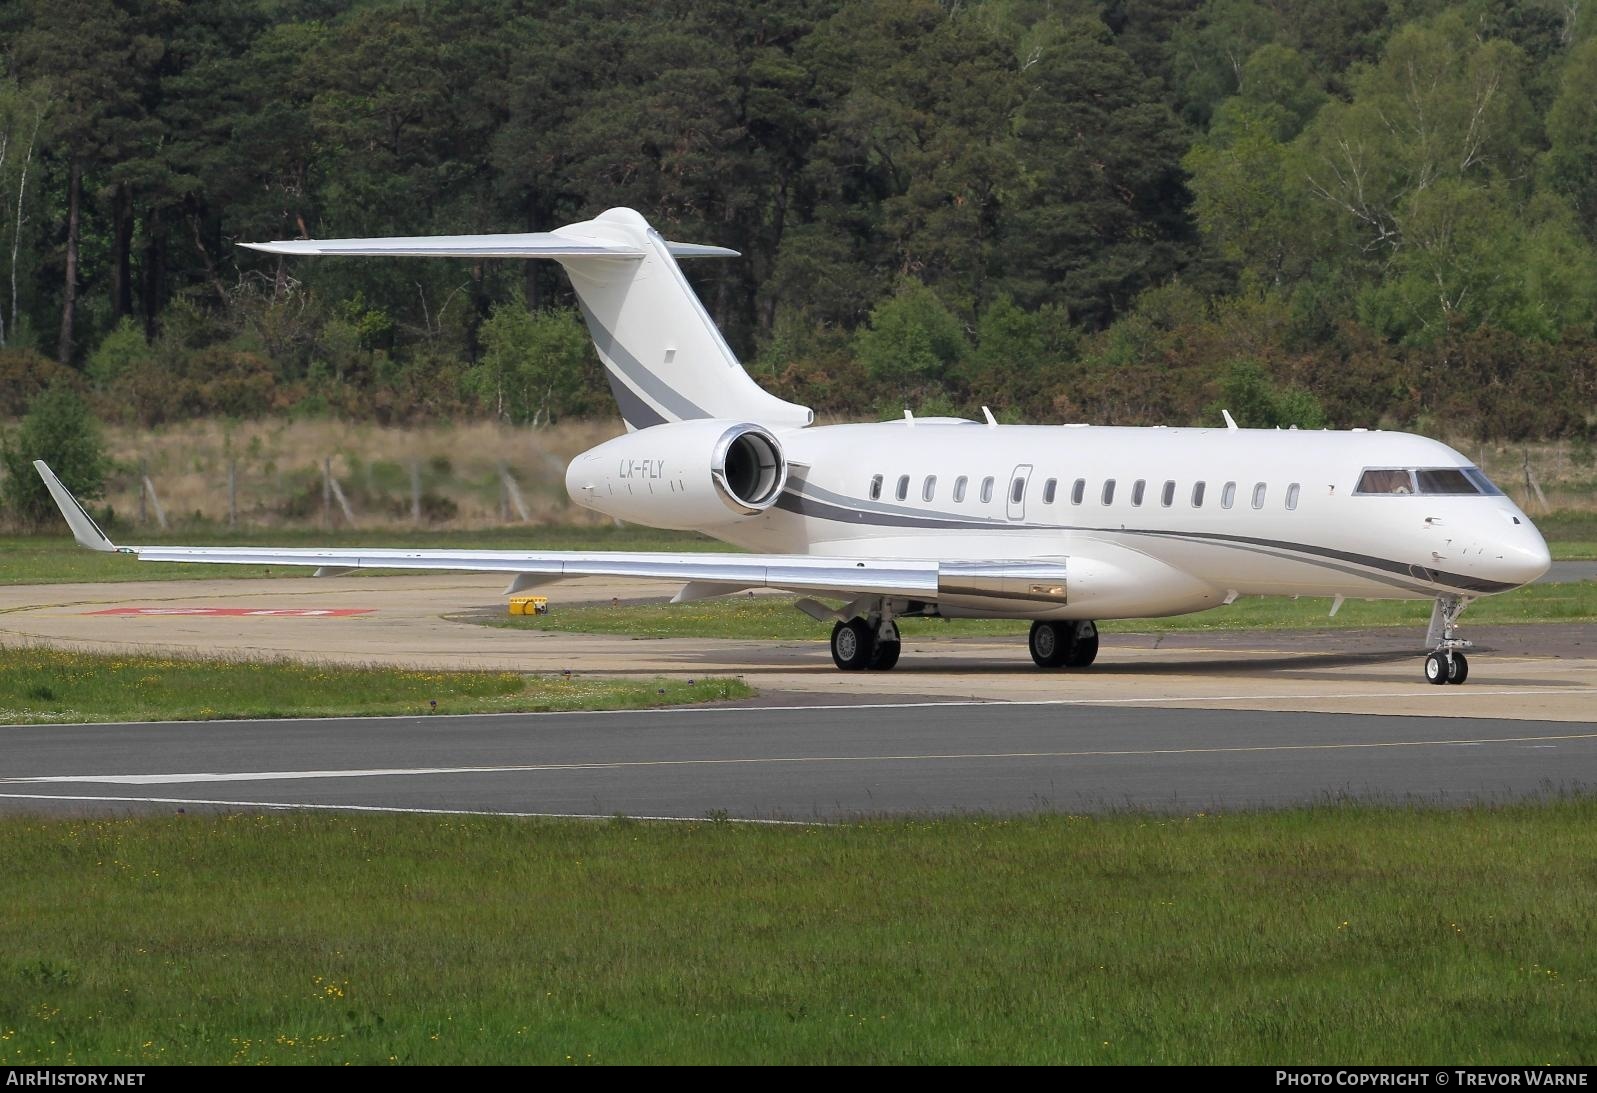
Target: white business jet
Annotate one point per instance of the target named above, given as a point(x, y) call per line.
point(1062, 525)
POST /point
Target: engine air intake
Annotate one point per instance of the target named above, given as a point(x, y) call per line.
point(749, 468)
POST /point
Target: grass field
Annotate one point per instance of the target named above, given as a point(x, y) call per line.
point(38, 684)
point(775, 618)
point(1337, 934)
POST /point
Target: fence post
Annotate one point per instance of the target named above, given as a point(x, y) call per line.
point(1532, 486)
point(155, 502)
point(232, 493)
point(510, 494)
point(415, 492)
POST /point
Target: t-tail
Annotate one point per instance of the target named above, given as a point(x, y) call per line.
point(662, 354)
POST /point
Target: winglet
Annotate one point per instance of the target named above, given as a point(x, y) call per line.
point(84, 529)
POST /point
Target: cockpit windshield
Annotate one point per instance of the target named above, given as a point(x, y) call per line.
point(1426, 481)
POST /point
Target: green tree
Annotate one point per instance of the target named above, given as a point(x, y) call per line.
point(59, 430)
point(1255, 402)
point(1211, 48)
point(1569, 165)
point(535, 365)
point(1016, 350)
point(24, 111)
point(1103, 213)
point(123, 349)
point(913, 342)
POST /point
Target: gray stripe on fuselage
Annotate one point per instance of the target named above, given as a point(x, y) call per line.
point(1400, 569)
point(615, 355)
point(1290, 555)
point(844, 510)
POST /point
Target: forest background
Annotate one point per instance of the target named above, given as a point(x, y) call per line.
point(1321, 212)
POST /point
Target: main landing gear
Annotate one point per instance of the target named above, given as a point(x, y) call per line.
point(870, 642)
point(1447, 662)
point(1063, 644)
point(860, 644)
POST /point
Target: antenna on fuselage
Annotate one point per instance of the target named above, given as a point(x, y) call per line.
point(988, 414)
point(1230, 422)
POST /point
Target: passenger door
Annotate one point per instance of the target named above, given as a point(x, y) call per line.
point(1019, 480)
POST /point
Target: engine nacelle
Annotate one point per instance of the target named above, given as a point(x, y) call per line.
point(688, 475)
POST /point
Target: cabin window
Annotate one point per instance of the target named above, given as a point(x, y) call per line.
point(1109, 491)
point(986, 490)
point(876, 487)
point(1168, 496)
point(1197, 495)
point(1258, 496)
point(959, 488)
point(1078, 492)
point(1388, 481)
point(928, 488)
point(1136, 491)
point(903, 486)
point(1292, 495)
point(1017, 491)
point(1228, 495)
point(1048, 490)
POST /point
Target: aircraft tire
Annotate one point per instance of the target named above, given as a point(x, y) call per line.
point(1084, 650)
point(886, 656)
point(1436, 669)
point(1051, 643)
point(853, 645)
point(1460, 671)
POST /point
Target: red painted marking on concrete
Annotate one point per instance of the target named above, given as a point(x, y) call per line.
point(241, 612)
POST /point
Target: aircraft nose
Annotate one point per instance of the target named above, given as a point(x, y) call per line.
point(1523, 561)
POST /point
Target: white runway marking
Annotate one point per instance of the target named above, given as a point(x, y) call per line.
point(1173, 701)
point(390, 772)
point(299, 807)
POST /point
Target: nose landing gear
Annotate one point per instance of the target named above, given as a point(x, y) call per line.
point(1447, 662)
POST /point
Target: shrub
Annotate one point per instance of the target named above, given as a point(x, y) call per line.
point(59, 430)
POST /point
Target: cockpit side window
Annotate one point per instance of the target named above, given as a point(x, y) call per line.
point(1482, 483)
point(1390, 481)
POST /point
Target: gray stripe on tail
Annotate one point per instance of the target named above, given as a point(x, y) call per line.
point(615, 355)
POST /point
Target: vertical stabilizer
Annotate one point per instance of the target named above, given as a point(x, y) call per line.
point(664, 357)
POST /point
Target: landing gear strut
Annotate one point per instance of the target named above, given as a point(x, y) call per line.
point(866, 643)
point(1447, 662)
point(1063, 644)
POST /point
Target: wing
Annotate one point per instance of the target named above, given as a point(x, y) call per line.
point(704, 574)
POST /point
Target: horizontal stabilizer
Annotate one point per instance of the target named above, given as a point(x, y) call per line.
point(523, 245)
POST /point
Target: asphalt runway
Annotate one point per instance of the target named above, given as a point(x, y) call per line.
point(794, 764)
